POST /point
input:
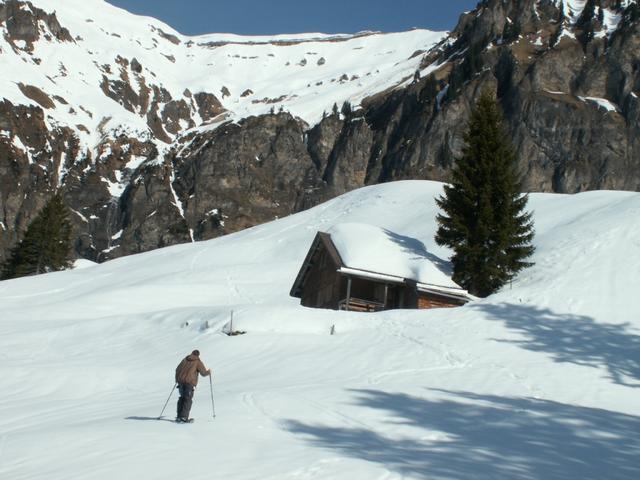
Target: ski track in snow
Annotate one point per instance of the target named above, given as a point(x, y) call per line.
point(501, 388)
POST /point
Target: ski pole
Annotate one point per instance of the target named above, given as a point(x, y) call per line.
point(213, 405)
point(167, 402)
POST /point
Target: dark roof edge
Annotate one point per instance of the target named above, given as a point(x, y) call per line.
point(331, 248)
point(325, 239)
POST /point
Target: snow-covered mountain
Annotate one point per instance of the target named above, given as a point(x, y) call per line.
point(156, 138)
point(97, 95)
point(539, 381)
point(102, 71)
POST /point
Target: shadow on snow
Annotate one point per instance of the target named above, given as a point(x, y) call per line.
point(161, 419)
point(573, 339)
point(487, 436)
point(416, 248)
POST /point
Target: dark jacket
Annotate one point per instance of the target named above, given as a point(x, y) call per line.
point(187, 371)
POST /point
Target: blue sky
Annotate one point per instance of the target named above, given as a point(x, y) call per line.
point(265, 17)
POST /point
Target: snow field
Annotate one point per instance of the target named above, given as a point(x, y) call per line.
point(537, 381)
point(308, 73)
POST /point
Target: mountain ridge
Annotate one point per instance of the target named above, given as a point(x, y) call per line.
point(152, 162)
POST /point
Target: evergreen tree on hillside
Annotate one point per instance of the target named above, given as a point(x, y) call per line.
point(346, 110)
point(483, 216)
point(46, 244)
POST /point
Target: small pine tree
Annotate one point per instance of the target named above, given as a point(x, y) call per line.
point(346, 109)
point(483, 215)
point(46, 244)
point(334, 110)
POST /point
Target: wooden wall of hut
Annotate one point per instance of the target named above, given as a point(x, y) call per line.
point(323, 286)
point(430, 300)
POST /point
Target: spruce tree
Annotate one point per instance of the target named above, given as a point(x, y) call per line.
point(346, 110)
point(46, 244)
point(483, 216)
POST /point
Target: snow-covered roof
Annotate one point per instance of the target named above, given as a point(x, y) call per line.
point(374, 250)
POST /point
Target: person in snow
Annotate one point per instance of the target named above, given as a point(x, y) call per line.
point(187, 379)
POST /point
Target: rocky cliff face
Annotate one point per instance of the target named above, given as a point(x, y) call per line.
point(570, 104)
point(568, 83)
point(566, 73)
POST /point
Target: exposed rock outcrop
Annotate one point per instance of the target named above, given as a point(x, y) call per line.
point(569, 84)
point(23, 21)
point(571, 107)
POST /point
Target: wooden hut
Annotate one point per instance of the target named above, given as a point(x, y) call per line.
point(365, 268)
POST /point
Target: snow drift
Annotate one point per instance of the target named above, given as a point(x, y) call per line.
point(537, 381)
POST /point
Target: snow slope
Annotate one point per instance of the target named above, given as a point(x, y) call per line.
point(539, 381)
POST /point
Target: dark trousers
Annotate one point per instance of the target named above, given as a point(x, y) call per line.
point(185, 400)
